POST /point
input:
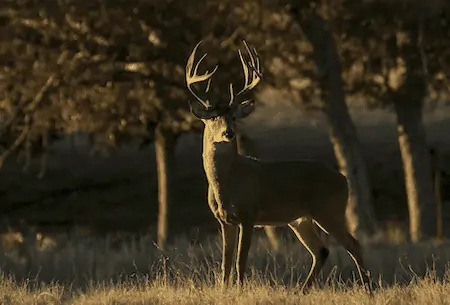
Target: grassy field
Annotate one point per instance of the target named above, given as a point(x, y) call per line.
point(424, 292)
point(131, 270)
point(119, 194)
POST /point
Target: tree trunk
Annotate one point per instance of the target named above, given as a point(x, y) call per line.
point(417, 169)
point(408, 91)
point(165, 167)
point(343, 135)
point(348, 152)
point(436, 181)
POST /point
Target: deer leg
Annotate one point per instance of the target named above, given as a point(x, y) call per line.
point(339, 231)
point(306, 232)
point(245, 240)
point(229, 234)
point(272, 236)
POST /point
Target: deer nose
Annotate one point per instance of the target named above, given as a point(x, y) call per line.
point(229, 134)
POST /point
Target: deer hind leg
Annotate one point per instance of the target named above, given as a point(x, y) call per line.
point(338, 230)
point(245, 240)
point(272, 236)
point(306, 232)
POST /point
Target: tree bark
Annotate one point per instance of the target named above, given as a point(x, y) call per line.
point(436, 181)
point(343, 135)
point(348, 151)
point(408, 90)
point(417, 169)
point(165, 167)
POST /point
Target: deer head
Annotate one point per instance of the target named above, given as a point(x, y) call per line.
point(218, 117)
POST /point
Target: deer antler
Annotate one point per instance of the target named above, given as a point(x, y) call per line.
point(252, 72)
point(193, 77)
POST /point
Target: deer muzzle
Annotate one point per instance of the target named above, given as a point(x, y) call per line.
point(228, 134)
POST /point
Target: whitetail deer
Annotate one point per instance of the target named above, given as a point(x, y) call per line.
point(245, 192)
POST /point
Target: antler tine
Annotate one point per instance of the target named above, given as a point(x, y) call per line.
point(252, 70)
point(192, 77)
point(254, 66)
point(231, 94)
point(257, 69)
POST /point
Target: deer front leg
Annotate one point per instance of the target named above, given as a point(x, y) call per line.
point(245, 240)
point(229, 234)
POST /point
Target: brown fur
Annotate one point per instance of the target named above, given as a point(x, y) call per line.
point(244, 192)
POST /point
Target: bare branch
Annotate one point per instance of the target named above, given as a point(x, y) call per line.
point(20, 139)
point(37, 99)
point(29, 108)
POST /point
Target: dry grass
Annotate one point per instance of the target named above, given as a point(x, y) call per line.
point(119, 270)
point(425, 292)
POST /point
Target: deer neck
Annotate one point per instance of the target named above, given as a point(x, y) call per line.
point(219, 161)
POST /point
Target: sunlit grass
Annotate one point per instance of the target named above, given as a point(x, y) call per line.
point(158, 291)
point(129, 270)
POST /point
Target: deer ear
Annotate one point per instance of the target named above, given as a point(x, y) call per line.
point(243, 109)
point(200, 112)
